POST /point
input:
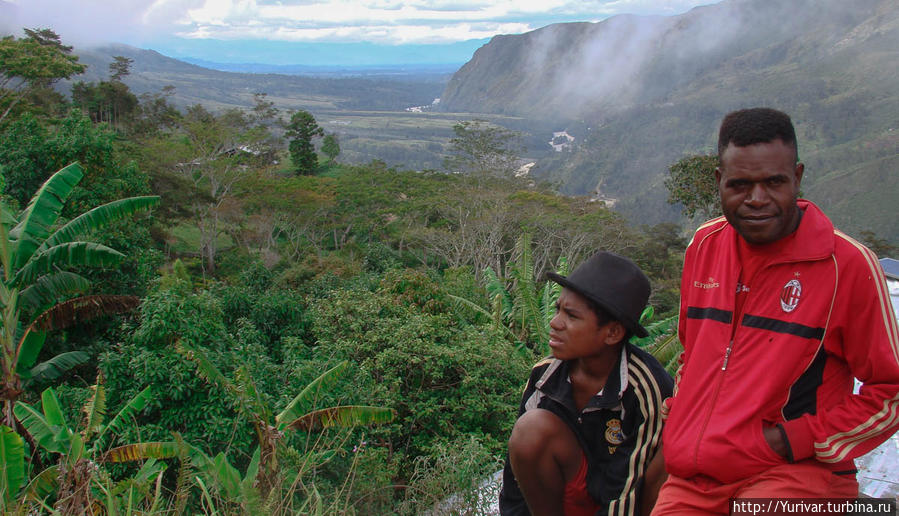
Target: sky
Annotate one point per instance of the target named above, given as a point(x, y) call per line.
point(310, 32)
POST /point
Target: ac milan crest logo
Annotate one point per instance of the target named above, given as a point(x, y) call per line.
point(790, 295)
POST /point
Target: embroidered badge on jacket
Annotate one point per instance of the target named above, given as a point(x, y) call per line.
point(789, 297)
point(613, 432)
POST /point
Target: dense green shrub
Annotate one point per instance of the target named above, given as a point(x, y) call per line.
point(182, 401)
point(276, 314)
point(447, 380)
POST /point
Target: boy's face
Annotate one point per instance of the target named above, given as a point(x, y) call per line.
point(574, 331)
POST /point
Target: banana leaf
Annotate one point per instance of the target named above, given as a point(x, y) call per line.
point(76, 448)
point(44, 208)
point(43, 485)
point(70, 253)
point(52, 410)
point(206, 368)
point(81, 309)
point(29, 349)
point(55, 367)
point(7, 220)
point(49, 289)
point(136, 404)
point(225, 476)
point(98, 218)
point(36, 424)
point(259, 410)
point(142, 480)
point(12, 466)
point(252, 470)
point(346, 416)
point(95, 410)
point(303, 402)
point(142, 451)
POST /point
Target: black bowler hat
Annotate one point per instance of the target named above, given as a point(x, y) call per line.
point(614, 283)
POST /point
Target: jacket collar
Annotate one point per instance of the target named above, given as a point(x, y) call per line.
point(556, 385)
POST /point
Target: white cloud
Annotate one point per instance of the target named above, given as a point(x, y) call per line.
point(380, 21)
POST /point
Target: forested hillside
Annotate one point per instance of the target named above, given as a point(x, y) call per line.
point(639, 93)
point(635, 93)
point(194, 322)
point(368, 113)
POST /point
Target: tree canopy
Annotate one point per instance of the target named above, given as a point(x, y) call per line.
point(330, 146)
point(484, 150)
point(691, 182)
point(301, 129)
point(31, 63)
point(120, 67)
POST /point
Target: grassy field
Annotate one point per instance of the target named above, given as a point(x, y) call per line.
point(403, 139)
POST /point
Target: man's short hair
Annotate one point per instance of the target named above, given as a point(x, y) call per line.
point(756, 125)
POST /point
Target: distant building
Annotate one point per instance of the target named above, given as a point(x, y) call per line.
point(891, 270)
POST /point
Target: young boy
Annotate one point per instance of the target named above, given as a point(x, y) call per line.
point(589, 423)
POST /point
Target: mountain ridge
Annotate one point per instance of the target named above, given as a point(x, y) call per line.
point(639, 93)
point(151, 70)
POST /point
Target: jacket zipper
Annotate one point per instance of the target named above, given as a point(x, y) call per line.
point(727, 352)
point(730, 347)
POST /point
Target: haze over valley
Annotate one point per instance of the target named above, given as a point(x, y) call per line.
point(632, 94)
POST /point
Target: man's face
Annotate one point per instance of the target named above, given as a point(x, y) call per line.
point(759, 185)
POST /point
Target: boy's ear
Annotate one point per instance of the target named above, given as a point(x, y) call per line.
point(615, 333)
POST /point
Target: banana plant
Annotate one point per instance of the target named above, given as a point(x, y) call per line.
point(78, 477)
point(34, 253)
point(661, 341)
point(522, 309)
point(226, 480)
point(528, 312)
point(128, 496)
point(12, 467)
point(299, 415)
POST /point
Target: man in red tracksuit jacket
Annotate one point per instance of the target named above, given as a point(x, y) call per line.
point(779, 311)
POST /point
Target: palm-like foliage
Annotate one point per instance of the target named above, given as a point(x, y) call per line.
point(522, 309)
point(525, 311)
point(77, 478)
point(34, 251)
point(12, 466)
point(662, 341)
point(528, 311)
point(226, 480)
point(263, 474)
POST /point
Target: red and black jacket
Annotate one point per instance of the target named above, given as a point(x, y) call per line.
point(818, 313)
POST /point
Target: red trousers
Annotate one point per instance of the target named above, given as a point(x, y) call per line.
point(576, 501)
point(703, 495)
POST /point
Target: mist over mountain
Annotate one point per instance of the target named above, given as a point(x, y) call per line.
point(573, 70)
point(638, 93)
